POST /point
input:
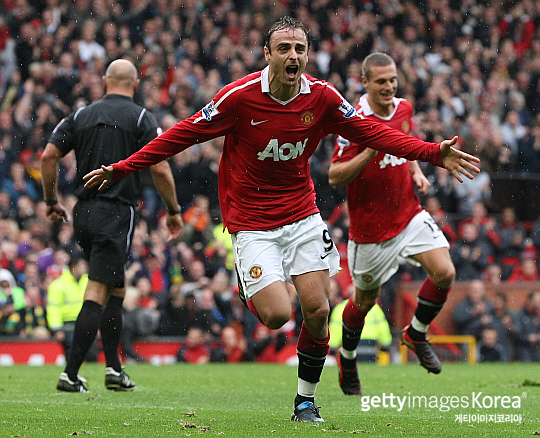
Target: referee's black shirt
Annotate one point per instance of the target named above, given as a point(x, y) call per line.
point(105, 132)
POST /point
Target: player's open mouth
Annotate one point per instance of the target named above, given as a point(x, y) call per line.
point(291, 70)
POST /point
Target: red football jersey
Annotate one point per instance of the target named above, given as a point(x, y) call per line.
point(381, 200)
point(264, 178)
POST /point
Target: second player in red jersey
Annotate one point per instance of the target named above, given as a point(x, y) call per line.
point(383, 201)
point(386, 222)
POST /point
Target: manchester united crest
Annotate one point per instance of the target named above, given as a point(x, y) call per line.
point(367, 278)
point(307, 118)
point(255, 272)
point(405, 127)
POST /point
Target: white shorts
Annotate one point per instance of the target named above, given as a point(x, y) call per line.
point(372, 264)
point(264, 257)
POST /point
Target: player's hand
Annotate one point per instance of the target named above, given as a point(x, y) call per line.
point(175, 224)
point(456, 161)
point(101, 176)
point(57, 213)
point(421, 183)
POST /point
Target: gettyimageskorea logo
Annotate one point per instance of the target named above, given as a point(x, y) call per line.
point(504, 404)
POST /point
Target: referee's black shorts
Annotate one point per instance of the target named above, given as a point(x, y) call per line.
point(104, 230)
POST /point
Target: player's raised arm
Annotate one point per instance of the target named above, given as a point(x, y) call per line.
point(456, 161)
point(102, 176)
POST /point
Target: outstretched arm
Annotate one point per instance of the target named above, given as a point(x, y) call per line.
point(386, 139)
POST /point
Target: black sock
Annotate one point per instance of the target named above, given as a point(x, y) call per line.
point(300, 399)
point(427, 310)
point(425, 313)
point(85, 332)
point(310, 367)
point(350, 338)
point(416, 335)
point(111, 331)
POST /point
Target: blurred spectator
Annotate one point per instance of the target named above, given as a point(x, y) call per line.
point(529, 150)
point(233, 347)
point(11, 298)
point(443, 188)
point(155, 271)
point(196, 222)
point(489, 348)
point(470, 254)
point(535, 234)
point(9, 256)
point(512, 241)
point(473, 312)
point(502, 321)
point(138, 321)
point(512, 131)
point(223, 294)
point(29, 322)
point(526, 271)
point(471, 191)
point(195, 275)
point(209, 317)
point(433, 207)
point(195, 349)
point(376, 327)
point(271, 345)
point(179, 314)
point(492, 275)
point(88, 47)
point(18, 184)
point(486, 225)
point(147, 313)
point(527, 323)
point(65, 297)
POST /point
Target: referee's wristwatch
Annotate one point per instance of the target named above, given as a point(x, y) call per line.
point(51, 202)
point(173, 212)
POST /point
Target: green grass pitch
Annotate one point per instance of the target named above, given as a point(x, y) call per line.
point(255, 400)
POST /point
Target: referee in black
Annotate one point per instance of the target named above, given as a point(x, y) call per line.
point(106, 131)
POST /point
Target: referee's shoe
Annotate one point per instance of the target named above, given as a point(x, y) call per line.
point(118, 381)
point(65, 384)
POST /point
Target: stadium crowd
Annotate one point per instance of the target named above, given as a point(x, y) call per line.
point(470, 68)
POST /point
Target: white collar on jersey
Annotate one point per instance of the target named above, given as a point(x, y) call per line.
point(265, 85)
point(366, 108)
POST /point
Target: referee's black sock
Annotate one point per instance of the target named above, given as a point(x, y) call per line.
point(111, 331)
point(85, 332)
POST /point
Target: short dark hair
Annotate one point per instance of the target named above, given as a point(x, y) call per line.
point(377, 59)
point(75, 259)
point(287, 23)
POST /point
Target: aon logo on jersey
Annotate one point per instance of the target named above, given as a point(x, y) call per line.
point(284, 152)
point(391, 160)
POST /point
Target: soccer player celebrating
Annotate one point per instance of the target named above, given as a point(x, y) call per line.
point(273, 121)
point(387, 221)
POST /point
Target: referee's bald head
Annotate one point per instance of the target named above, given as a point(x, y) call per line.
point(121, 78)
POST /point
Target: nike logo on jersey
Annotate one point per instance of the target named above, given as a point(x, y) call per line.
point(325, 255)
point(257, 123)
